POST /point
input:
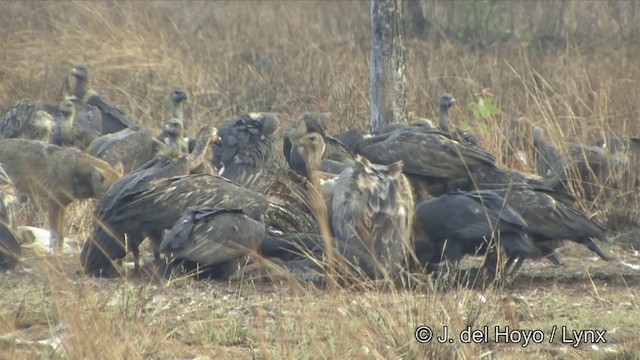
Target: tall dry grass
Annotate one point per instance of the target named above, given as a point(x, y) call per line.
point(570, 67)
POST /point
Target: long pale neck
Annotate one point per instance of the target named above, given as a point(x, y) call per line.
point(314, 159)
point(80, 89)
point(443, 119)
point(199, 150)
point(178, 110)
point(67, 121)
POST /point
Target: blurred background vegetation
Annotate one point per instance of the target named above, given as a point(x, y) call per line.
point(573, 63)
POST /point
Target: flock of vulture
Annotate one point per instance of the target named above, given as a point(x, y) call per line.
point(410, 197)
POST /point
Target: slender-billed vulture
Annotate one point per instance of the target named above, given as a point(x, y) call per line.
point(26, 119)
point(247, 145)
point(156, 208)
point(549, 164)
point(307, 156)
point(551, 221)
point(212, 239)
point(372, 216)
point(464, 223)
point(427, 153)
point(112, 118)
point(108, 238)
point(67, 132)
point(445, 102)
point(178, 97)
point(314, 123)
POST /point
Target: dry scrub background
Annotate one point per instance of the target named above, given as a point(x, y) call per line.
point(295, 56)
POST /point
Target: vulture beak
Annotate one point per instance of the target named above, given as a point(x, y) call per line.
point(217, 140)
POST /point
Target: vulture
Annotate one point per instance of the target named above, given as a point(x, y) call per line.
point(27, 119)
point(155, 208)
point(444, 104)
point(372, 216)
point(35, 119)
point(437, 164)
point(549, 164)
point(113, 119)
point(212, 240)
point(591, 164)
point(112, 222)
point(131, 148)
point(247, 142)
point(335, 152)
point(172, 137)
point(551, 221)
point(466, 223)
point(178, 97)
point(307, 156)
point(67, 132)
point(430, 157)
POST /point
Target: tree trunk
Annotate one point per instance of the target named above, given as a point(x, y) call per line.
point(387, 95)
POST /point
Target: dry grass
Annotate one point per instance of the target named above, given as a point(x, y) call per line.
point(292, 57)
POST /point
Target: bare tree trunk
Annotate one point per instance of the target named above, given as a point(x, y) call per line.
point(387, 95)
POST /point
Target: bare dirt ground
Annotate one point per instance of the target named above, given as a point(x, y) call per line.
point(48, 305)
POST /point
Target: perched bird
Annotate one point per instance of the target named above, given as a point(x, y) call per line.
point(436, 164)
point(211, 239)
point(335, 151)
point(120, 193)
point(67, 132)
point(80, 73)
point(178, 97)
point(440, 163)
point(591, 164)
point(131, 148)
point(308, 155)
point(549, 164)
point(467, 223)
point(350, 138)
point(26, 119)
point(444, 104)
point(173, 137)
point(155, 208)
point(135, 147)
point(372, 216)
point(10, 249)
point(247, 142)
point(551, 221)
point(113, 119)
